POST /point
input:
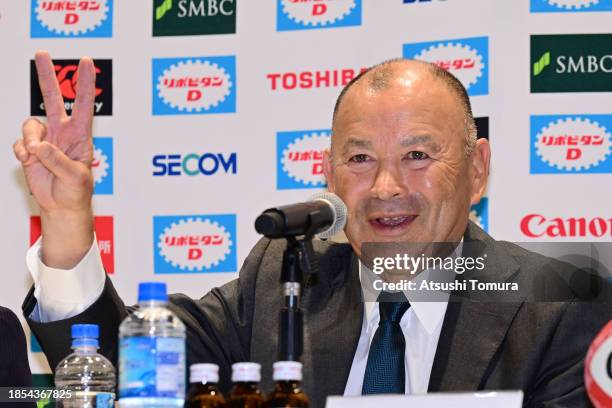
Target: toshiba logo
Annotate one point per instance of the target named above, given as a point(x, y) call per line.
point(536, 226)
point(329, 78)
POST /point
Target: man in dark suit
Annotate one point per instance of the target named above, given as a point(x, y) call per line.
point(406, 161)
point(14, 366)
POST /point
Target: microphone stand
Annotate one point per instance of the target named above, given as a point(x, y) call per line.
point(298, 261)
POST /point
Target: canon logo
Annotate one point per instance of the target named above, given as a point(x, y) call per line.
point(536, 226)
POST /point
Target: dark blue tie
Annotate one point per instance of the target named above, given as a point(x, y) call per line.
point(385, 373)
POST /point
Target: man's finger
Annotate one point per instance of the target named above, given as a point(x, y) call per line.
point(21, 153)
point(82, 111)
point(52, 97)
point(57, 162)
point(33, 133)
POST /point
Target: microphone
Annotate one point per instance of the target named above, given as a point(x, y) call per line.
point(323, 215)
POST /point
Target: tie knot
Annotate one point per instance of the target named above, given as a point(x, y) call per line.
point(392, 306)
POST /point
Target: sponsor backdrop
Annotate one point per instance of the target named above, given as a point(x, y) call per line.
point(209, 111)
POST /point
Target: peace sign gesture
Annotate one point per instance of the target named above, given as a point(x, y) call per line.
point(56, 159)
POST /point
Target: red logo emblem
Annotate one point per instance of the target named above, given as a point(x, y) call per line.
point(312, 79)
point(538, 226)
point(67, 77)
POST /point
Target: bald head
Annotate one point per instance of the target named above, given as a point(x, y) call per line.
point(402, 72)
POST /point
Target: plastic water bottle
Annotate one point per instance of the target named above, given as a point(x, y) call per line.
point(152, 352)
point(86, 376)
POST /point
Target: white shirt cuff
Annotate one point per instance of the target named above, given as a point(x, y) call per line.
point(64, 293)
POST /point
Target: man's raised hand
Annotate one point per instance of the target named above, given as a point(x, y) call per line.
point(56, 159)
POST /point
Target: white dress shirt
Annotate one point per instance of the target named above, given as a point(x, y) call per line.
point(421, 325)
point(62, 294)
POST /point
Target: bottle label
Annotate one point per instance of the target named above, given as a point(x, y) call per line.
point(105, 400)
point(152, 367)
point(94, 399)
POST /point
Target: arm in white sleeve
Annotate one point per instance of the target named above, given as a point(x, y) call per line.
point(64, 293)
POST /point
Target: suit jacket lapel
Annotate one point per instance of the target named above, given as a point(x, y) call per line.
point(473, 331)
point(332, 323)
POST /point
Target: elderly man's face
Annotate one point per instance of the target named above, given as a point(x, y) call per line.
point(398, 162)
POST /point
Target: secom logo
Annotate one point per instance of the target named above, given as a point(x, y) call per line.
point(466, 58)
point(194, 85)
point(71, 18)
point(311, 14)
point(479, 214)
point(300, 158)
point(195, 164)
point(570, 6)
point(194, 243)
point(570, 144)
point(102, 165)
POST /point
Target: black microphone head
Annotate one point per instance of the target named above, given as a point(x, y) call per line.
point(324, 215)
point(270, 224)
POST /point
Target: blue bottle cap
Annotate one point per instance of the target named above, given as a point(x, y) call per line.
point(91, 331)
point(152, 291)
point(85, 335)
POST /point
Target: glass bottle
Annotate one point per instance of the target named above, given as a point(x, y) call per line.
point(246, 392)
point(287, 389)
point(203, 392)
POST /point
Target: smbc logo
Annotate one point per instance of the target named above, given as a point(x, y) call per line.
point(542, 63)
point(588, 64)
point(571, 63)
point(196, 8)
point(193, 17)
point(162, 9)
